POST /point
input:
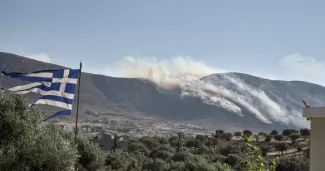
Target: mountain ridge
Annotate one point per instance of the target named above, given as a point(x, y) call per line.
point(212, 106)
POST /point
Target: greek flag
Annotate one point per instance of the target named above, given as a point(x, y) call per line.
point(56, 86)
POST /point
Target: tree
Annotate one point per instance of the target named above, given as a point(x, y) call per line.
point(294, 137)
point(268, 138)
point(229, 149)
point(227, 136)
point(305, 132)
point(282, 147)
point(292, 163)
point(278, 137)
point(274, 132)
point(202, 138)
point(288, 132)
point(193, 143)
point(262, 134)
point(238, 134)
point(232, 160)
point(219, 134)
point(25, 144)
point(265, 149)
point(247, 133)
point(256, 138)
point(91, 157)
point(215, 142)
point(258, 161)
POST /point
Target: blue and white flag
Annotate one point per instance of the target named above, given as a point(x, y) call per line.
point(56, 86)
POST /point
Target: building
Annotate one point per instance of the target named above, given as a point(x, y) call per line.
point(106, 143)
point(316, 115)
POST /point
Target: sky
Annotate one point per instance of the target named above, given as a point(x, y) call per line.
point(273, 39)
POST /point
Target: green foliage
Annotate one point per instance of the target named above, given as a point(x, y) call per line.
point(193, 143)
point(91, 157)
point(292, 164)
point(232, 160)
point(227, 136)
point(162, 154)
point(219, 134)
point(136, 146)
point(278, 137)
point(294, 137)
point(28, 145)
point(258, 163)
point(268, 138)
point(262, 134)
point(151, 143)
point(282, 147)
point(288, 132)
point(305, 132)
point(265, 149)
point(247, 133)
point(229, 149)
point(202, 138)
point(238, 134)
point(274, 132)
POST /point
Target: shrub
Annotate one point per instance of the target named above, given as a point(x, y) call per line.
point(247, 133)
point(288, 132)
point(305, 132)
point(268, 138)
point(278, 137)
point(274, 132)
point(292, 164)
point(282, 147)
point(294, 137)
point(219, 134)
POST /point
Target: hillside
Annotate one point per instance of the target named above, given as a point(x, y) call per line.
point(229, 101)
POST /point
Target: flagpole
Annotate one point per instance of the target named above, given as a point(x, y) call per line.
point(76, 129)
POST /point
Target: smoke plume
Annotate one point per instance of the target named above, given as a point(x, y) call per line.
point(185, 73)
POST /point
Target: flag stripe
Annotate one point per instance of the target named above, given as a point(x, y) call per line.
point(63, 112)
point(52, 102)
point(42, 92)
point(58, 98)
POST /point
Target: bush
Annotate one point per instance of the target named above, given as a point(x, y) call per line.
point(228, 136)
point(193, 143)
point(294, 137)
point(293, 164)
point(268, 138)
point(238, 134)
point(282, 147)
point(288, 132)
point(202, 138)
point(265, 149)
point(278, 137)
point(232, 160)
point(229, 149)
point(91, 157)
point(305, 132)
point(262, 134)
point(219, 134)
point(247, 133)
point(274, 132)
point(28, 145)
point(136, 146)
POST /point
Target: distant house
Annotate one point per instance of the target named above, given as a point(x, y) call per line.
point(106, 143)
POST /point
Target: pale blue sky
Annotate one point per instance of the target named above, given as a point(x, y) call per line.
point(247, 36)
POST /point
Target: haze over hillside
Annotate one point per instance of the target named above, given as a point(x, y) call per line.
point(191, 93)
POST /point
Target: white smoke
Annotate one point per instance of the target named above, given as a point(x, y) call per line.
point(185, 73)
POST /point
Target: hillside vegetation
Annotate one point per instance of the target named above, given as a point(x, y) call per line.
point(28, 144)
